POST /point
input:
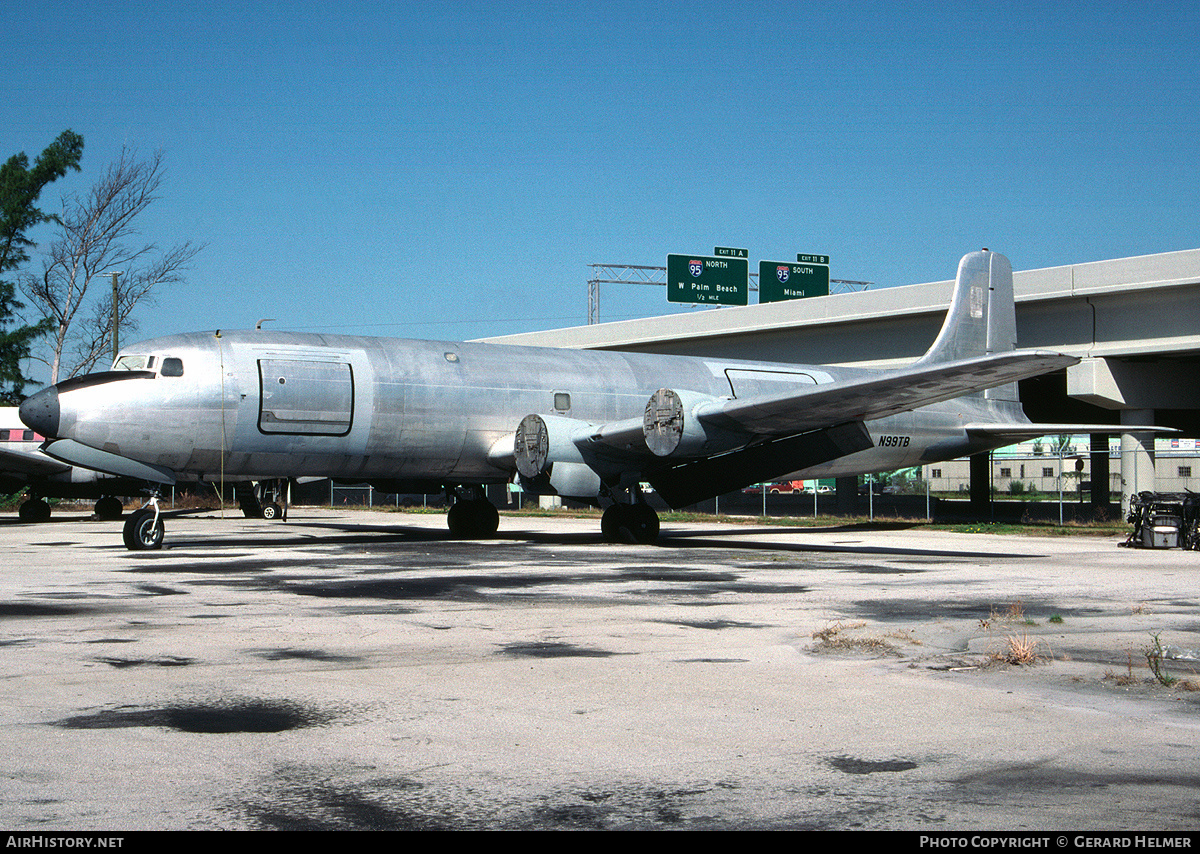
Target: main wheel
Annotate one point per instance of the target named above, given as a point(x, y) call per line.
point(473, 520)
point(630, 523)
point(271, 510)
point(141, 532)
point(610, 523)
point(108, 508)
point(34, 510)
point(644, 524)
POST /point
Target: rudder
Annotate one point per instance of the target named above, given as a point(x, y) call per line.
point(982, 318)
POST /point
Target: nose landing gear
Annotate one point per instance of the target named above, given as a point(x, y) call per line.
point(144, 528)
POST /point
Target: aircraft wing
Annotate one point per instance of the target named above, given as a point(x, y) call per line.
point(70, 451)
point(879, 395)
point(801, 427)
point(29, 464)
point(815, 407)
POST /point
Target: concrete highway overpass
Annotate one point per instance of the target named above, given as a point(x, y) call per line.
point(1135, 323)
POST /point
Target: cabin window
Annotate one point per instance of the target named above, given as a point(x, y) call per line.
point(172, 367)
point(562, 401)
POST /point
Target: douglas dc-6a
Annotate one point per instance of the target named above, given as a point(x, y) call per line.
point(421, 416)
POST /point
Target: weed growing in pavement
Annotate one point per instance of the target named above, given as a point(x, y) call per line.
point(835, 638)
point(1020, 650)
point(1154, 660)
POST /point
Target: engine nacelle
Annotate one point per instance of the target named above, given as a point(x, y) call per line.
point(670, 424)
point(548, 460)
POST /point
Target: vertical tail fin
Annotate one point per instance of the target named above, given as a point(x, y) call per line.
point(982, 317)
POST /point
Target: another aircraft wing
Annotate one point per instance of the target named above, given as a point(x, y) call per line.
point(30, 463)
point(880, 395)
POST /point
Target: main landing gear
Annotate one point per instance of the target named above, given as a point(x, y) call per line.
point(630, 519)
point(34, 510)
point(109, 508)
point(471, 516)
point(636, 523)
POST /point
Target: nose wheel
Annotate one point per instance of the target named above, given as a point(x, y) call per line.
point(144, 529)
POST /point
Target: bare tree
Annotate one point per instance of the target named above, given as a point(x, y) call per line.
point(94, 238)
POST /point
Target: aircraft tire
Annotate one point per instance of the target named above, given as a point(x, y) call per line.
point(630, 523)
point(644, 523)
point(473, 520)
point(109, 508)
point(272, 511)
point(34, 510)
point(140, 532)
point(610, 524)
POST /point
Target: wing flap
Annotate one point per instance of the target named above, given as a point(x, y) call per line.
point(701, 479)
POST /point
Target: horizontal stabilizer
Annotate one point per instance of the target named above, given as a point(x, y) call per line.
point(1019, 430)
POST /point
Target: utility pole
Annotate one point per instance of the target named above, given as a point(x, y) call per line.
point(115, 313)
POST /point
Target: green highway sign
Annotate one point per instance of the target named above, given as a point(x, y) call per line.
point(783, 280)
point(729, 252)
point(708, 279)
point(813, 259)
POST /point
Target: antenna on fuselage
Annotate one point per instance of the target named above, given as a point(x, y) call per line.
point(258, 326)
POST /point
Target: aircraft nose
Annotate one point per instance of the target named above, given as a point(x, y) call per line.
point(40, 412)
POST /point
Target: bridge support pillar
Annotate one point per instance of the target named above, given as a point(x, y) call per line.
point(1137, 456)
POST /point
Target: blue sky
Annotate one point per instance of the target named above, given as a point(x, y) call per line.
point(450, 170)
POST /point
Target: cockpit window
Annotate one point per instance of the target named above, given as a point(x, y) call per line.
point(172, 367)
point(134, 363)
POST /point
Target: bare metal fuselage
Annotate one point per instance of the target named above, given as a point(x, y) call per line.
point(256, 405)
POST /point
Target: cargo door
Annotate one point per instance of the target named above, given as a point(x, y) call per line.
point(305, 398)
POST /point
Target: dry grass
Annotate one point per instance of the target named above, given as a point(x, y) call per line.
point(1014, 612)
point(1020, 649)
point(835, 638)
